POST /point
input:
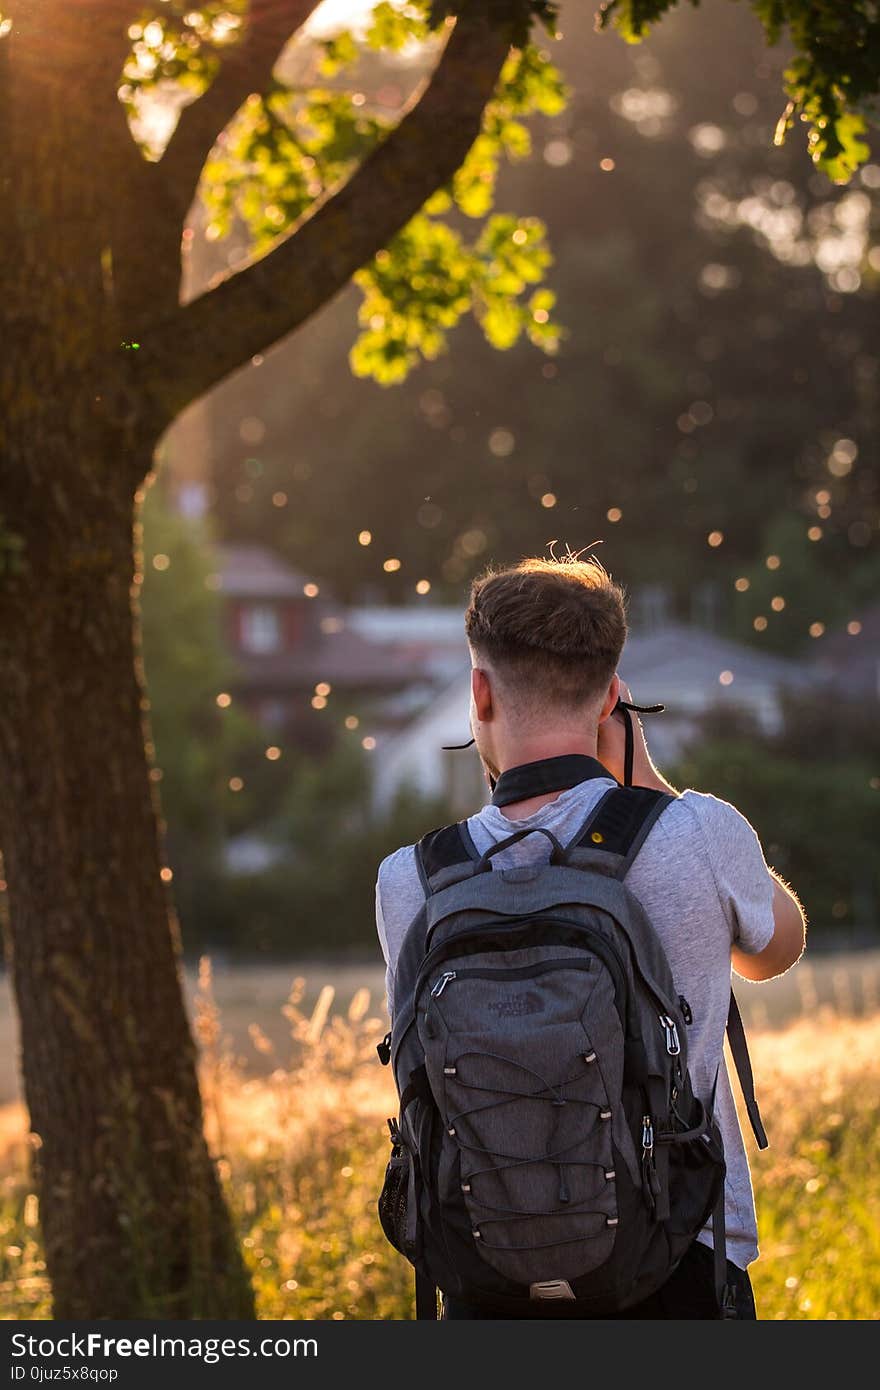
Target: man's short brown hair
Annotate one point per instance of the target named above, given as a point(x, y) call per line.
point(553, 630)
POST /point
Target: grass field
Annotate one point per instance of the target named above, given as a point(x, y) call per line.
point(302, 1145)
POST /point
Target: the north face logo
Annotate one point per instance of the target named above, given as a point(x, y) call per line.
point(517, 1005)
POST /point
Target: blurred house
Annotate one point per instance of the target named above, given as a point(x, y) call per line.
point(686, 668)
point(431, 636)
point(291, 645)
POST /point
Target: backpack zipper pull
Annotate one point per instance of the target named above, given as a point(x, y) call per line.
point(439, 985)
point(647, 1137)
point(673, 1044)
point(650, 1183)
point(436, 990)
point(384, 1050)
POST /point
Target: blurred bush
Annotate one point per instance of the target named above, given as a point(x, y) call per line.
point(318, 897)
point(813, 795)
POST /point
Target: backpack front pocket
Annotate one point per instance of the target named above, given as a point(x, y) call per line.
point(523, 1099)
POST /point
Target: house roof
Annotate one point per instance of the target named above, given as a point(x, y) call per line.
point(419, 623)
point(341, 658)
point(332, 650)
point(670, 661)
point(253, 571)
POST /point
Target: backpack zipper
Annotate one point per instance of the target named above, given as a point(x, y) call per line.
point(504, 973)
point(509, 972)
point(600, 947)
point(598, 944)
point(604, 949)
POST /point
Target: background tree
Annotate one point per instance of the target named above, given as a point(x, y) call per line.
point(101, 352)
point(719, 301)
point(187, 666)
point(810, 790)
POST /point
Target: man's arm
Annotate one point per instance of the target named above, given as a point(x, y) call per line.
point(786, 945)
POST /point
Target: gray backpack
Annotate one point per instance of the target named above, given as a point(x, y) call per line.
point(550, 1157)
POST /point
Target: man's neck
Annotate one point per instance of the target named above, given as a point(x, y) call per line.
point(534, 750)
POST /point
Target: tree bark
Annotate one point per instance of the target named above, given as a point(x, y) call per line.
point(133, 1217)
point(97, 358)
point(132, 1213)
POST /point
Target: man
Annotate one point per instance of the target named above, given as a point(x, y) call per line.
point(545, 638)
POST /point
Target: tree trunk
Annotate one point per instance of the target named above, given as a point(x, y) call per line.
point(132, 1213)
point(133, 1217)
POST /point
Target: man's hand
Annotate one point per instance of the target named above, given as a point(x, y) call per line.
point(611, 747)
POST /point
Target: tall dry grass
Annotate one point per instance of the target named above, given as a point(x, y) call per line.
point(302, 1148)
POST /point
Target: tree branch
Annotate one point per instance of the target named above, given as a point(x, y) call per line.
point(250, 310)
point(245, 68)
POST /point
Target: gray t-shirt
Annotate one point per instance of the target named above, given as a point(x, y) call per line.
point(703, 881)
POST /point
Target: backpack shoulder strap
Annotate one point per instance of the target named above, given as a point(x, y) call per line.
point(444, 856)
point(616, 829)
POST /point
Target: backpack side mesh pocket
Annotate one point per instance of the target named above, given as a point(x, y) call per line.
point(398, 1200)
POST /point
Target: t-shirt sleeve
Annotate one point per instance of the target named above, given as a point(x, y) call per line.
point(743, 880)
point(383, 941)
point(399, 896)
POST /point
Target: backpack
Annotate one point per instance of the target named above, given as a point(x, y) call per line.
point(550, 1157)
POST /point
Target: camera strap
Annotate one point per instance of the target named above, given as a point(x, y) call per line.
point(534, 779)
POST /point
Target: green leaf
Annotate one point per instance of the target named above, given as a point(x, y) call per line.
point(832, 83)
point(287, 148)
point(393, 27)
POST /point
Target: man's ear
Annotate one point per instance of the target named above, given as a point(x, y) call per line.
point(481, 690)
point(611, 698)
